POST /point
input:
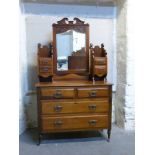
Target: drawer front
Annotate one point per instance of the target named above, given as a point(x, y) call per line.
point(100, 70)
point(56, 107)
point(57, 93)
point(45, 61)
point(74, 122)
point(100, 61)
point(93, 92)
point(45, 69)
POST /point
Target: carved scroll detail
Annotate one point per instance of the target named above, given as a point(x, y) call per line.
point(76, 21)
point(63, 21)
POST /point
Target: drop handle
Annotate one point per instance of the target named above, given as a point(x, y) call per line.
point(45, 69)
point(92, 122)
point(58, 108)
point(57, 94)
point(92, 93)
point(58, 123)
point(92, 107)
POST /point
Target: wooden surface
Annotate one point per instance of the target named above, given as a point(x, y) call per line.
point(77, 104)
point(74, 83)
point(45, 63)
point(74, 122)
point(68, 101)
point(58, 92)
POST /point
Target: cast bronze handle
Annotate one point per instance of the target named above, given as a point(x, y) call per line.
point(58, 123)
point(92, 107)
point(92, 93)
point(45, 69)
point(57, 94)
point(92, 122)
point(57, 108)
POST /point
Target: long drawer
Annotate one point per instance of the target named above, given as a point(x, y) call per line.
point(58, 93)
point(80, 106)
point(74, 122)
point(93, 92)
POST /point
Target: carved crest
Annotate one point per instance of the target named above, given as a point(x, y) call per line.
point(98, 51)
point(65, 21)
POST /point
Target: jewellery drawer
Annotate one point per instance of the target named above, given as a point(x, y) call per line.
point(45, 69)
point(100, 70)
point(88, 106)
point(57, 93)
point(74, 122)
point(93, 92)
point(100, 61)
point(45, 61)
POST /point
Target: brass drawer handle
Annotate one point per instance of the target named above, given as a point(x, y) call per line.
point(58, 123)
point(57, 108)
point(92, 122)
point(57, 94)
point(92, 107)
point(45, 69)
point(92, 93)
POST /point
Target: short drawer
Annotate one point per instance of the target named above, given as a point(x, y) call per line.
point(57, 93)
point(56, 107)
point(45, 61)
point(100, 61)
point(74, 122)
point(45, 69)
point(100, 70)
point(93, 92)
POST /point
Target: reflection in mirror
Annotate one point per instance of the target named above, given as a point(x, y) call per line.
point(71, 50)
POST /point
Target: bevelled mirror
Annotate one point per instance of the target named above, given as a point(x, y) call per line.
point(71, 47)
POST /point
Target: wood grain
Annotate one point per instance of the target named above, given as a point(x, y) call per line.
point(74, 122)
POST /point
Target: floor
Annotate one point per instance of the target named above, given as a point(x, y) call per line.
point(79, 143)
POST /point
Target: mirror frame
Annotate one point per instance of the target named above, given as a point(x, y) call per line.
point(63, 26)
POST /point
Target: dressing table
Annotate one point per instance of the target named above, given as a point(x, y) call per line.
point(73, 93)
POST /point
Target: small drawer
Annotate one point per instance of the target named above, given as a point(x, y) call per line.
point(45, 61)
point(56, 107)
point(93, 92)
point(100, 61)
point(100, 70)
point(45, 69)
point(57, 93)
point(74, 122)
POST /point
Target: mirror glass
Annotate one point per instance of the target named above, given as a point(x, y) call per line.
point(71, 50)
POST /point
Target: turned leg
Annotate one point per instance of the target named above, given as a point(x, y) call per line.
point(39, 139)
point(109, 133)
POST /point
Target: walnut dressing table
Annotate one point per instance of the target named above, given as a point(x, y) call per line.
point(73, 93)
